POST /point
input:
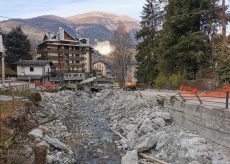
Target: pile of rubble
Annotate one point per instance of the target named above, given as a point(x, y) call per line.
point(152, 131)
point(142, 126)
point(56, 107)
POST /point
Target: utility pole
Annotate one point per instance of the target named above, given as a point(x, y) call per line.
point(3, 70)
point(2, 53)
point(224, 23)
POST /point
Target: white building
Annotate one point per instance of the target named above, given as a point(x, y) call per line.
point(101, 67)
point(34, 70)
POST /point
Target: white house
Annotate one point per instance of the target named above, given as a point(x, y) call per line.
point(34, 70)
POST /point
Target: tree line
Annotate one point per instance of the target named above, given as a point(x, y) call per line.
point(179, 40)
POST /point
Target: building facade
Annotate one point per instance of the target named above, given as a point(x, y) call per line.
point(71, 57)
point(34, 70)
point(101, 68)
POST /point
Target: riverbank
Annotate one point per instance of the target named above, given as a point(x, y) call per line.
point(78, 129)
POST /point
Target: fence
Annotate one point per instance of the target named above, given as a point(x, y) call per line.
point(19, 87)
point(47, 85)
point(219, 96)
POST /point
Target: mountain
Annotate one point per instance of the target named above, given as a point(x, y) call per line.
point(97, 26)
point(108, 20)
point(36, 27)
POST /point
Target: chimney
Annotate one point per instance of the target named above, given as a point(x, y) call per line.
point(61, 33)
point(49, 35)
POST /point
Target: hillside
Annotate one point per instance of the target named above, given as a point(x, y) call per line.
point(97, 26)
point(108, 20)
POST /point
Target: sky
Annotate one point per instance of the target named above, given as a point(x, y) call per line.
point(65, 8)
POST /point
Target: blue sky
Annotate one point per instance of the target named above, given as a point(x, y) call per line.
point(65, 8)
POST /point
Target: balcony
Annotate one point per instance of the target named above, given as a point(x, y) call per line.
point(69, 51)
point(76, 65)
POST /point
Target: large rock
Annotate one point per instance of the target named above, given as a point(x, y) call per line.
point(36, 133)
point(131, 127)
point(55, 143)
point(164, 115)
point(50, 159)
point(162, 141)
point(159, 121)
point(147, 126)
point(130, 157)
point(132, 138)
point(43, 143)
point(147, 141)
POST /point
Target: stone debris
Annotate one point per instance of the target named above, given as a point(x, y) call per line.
point(36, 133)
point(130, 157)
point(150, 129)
point(55, 143)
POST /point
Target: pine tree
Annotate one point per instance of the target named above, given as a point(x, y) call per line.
point(17, 45)
point(148, 36)
point(185, 44)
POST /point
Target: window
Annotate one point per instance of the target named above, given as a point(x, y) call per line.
point(31, 69)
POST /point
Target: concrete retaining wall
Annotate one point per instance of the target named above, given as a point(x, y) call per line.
point(210, 122)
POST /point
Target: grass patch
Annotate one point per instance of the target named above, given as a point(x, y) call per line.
point(6, 107)
point(35, 97)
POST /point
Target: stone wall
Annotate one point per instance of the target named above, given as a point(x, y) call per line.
point(213, 123)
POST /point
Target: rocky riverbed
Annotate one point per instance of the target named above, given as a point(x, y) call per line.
point(82, 131)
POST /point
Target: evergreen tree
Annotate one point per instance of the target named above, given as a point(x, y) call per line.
point(148, 36)
point(185, 44)
point(17, 45)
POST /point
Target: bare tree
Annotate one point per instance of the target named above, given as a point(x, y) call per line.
point(120, 57)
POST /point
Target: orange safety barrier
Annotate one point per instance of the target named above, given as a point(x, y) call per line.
point(220, 92)
point(47, 85)
point(184, 88)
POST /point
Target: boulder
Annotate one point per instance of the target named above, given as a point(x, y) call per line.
point(132, 138)
point(36, 133)
point(162, 141)
point(164, 115)
point(131, 127)
point(147, 126)
point(50, 159)
point(159, 121)
point(55, 143)
point(130, 157)
point(45, 129)
point(147, 141)
point(43, 143)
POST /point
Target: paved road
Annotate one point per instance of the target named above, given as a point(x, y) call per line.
point(207, 101)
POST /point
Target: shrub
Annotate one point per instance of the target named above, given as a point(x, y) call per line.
point(176, 79)
point(160, 81)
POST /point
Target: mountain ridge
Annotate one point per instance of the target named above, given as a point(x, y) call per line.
point(97, 26)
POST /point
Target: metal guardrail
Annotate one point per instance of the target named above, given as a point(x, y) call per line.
point(202, 98)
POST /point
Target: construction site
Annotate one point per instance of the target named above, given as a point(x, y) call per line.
point(116, 126)
point(104, 88)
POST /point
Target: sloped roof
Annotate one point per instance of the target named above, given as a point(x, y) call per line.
point(33, 62)
point(101, 61)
